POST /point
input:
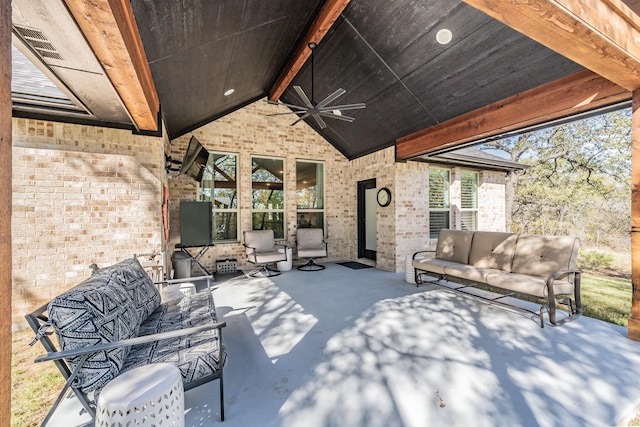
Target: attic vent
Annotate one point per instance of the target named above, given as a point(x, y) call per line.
point(38, 42)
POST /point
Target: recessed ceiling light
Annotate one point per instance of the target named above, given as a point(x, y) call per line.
point(229, 92)
point(444, 36)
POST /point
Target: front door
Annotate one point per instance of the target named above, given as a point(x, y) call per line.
point(367, 224)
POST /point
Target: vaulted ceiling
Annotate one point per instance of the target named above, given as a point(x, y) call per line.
point(124, 63)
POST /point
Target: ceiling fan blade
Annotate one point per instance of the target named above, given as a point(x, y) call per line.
point(329, 99)
point(345, 107)
point(304, 116)
point(303, 96)
point(288, 112)
point(339, 117)
point(319, 120)
point(297, 107)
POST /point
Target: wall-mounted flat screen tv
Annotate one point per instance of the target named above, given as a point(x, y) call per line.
point(195, 160)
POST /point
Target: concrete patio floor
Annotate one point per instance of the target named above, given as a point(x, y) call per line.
point(344, 347)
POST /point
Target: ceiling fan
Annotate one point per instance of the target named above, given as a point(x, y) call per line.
point(322, 108)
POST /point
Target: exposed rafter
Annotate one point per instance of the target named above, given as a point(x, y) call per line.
point(601, 35)
point(581, 92)
point(329, 13)
point(112, 33)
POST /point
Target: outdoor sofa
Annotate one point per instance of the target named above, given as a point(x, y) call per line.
point(542, 267)
point(114, 321)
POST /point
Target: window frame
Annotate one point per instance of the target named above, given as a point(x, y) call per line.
point(446, 199)
point(302, 211)
point(474, 209)
point(214, 209)
point(281, 211)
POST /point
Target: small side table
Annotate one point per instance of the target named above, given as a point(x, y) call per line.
point(151, 395)
point(171, 292)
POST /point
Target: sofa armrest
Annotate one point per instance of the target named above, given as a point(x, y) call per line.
point(423, 252)
point(284, 247)
point(128, 342)
point(187, 279)
point(161, 284)
point(252, 254)
point(564, 273)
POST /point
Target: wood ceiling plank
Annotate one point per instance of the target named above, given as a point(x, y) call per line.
point(329, 13)
point(601, 35)
point(581, 92)
point(112, 33)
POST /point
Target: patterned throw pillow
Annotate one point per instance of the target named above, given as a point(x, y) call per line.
point(99, 310)
point(130, 274)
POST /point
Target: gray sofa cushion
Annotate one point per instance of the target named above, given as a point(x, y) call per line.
point(195, 355)
point(98, 310)
point(454, 245)
point(130, 274)
point(493, 250)
point(310, 243)
point(543, 255)
point(260, 240)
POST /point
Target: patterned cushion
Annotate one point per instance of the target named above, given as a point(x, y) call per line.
point(99, 310)
point(197, 356)
point(130, 274)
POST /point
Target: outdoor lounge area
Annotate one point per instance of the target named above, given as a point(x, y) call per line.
point(359, 119)
point(365, 348)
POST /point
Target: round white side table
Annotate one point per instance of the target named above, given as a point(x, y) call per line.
point(150, 395)
point(177, 291)
point(288, 264)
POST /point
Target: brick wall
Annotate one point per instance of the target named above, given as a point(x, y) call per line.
point(249, 132)
point(402, 227)
point(81, 195)
point(491, 199)
point(84, 195)
point(412, 210)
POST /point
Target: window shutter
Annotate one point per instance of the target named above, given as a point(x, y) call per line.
point(469, 184)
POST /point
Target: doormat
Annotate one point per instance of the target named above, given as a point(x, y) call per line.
point(354, 265)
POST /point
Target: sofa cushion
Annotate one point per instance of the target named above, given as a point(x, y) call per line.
point(310, 238)
point(197, 356)
point(131, 275)
point(260, 240)
point(493, 250)
point(454, 245)
point(432, 265)
point(469, 272)
point(530, 285)
point(543, 255)
point(97, 311)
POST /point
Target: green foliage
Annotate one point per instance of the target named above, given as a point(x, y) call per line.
point(594, 260)
point(578, 180)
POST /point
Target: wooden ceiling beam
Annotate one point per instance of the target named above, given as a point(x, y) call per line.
point(601, 35)
point(111, 30)
point(327, 16)
point(580, 92)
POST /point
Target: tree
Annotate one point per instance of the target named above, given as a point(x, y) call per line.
point(577, 180)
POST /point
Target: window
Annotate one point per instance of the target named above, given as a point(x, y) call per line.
point(310, 194)
point(439, 208)
point(469, 201)
point(220, 186)
point(267, 195)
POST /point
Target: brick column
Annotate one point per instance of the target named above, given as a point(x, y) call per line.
point(634, 321)
point(5, 212)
